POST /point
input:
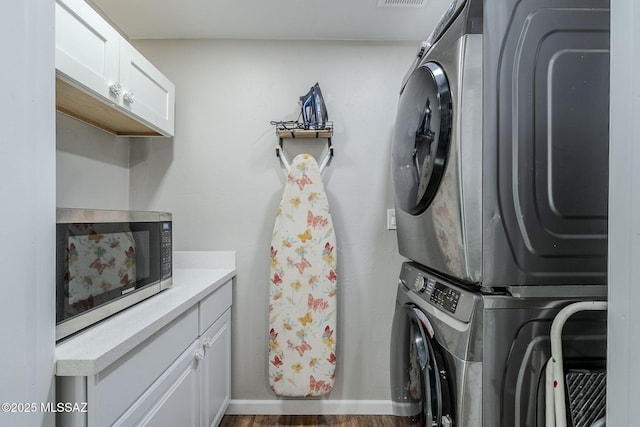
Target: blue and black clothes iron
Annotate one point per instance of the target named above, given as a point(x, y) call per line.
point(314, 111)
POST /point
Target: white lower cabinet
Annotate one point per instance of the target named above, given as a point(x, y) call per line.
point(173, 399)
point(180, 376)
point(216, 371)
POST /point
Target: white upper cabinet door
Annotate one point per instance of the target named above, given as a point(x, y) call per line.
point(147, 93)
point(87, 48)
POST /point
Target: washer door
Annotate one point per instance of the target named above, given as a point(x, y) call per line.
point(419, 379)
point(421, 138)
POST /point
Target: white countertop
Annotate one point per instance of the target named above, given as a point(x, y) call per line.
point(195, 275)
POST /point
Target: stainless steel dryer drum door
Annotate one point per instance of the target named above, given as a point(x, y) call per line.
point(420, 383)
point(421, 139)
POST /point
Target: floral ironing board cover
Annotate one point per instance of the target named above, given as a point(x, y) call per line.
point(302, 296)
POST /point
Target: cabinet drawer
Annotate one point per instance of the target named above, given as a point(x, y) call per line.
point(113, 390)
point(213, 306)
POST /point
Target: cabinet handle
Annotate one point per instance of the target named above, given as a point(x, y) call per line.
point(199, 354)
point(208, 344)
point(129, 98)
point(116, 89)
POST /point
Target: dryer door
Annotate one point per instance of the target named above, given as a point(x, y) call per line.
point(419, 380)
point(421, 138)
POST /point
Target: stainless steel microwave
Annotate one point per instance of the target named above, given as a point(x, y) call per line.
point(107, 261)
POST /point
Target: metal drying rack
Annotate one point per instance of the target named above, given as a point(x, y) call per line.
point(294, 130)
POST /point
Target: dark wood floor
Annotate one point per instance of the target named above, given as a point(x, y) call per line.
point(311, 420)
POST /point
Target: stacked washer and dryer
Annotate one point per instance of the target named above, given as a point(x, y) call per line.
point(500, 171)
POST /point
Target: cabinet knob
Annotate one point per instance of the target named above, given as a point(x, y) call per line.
point(116, 89)
point(199, 354)
point(208, 343)
point(129, 98)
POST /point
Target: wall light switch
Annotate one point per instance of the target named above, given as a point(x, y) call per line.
point(391, 219)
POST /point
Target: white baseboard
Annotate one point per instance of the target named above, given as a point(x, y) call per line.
point(309, 407)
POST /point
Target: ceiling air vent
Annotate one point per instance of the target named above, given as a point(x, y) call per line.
point(401, 3)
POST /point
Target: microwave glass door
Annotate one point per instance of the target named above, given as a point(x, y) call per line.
point(100, 262)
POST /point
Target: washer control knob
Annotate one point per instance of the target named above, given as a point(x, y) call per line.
point(420, 284)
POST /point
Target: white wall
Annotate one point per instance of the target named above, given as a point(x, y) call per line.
point(27, 191)
point(623, 393)
point(220, 178)
point(92, 166)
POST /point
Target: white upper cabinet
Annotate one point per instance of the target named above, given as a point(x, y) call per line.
point(104, 81)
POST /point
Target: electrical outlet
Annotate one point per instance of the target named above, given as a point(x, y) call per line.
point(391, 219)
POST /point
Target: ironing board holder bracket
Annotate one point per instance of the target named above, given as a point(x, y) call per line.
point(304, 133)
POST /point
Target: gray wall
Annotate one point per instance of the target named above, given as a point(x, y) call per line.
point(92, 167)
point(27, 189)
point(623, 393)
point(221, 179)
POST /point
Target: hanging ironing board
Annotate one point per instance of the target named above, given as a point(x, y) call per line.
point(302, 287)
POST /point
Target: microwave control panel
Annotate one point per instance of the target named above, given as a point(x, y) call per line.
point(165, 250)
